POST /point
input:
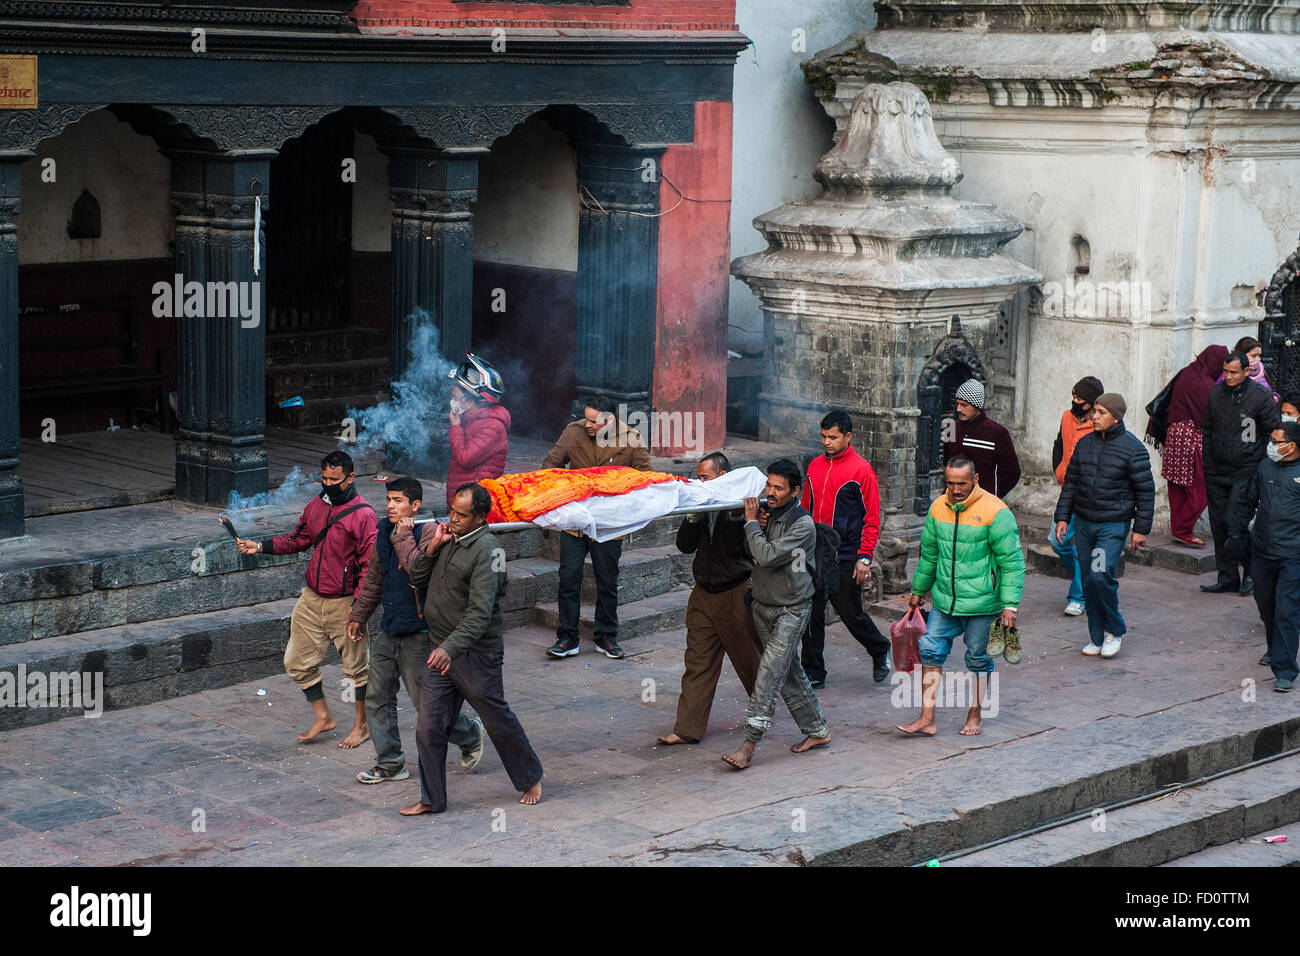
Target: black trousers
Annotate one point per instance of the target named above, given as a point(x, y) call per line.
point(475, 676)
point(1277, 595)
point(1222, 492)
point(604, 563)
point(848, 605)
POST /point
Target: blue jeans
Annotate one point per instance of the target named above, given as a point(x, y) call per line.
point(1101, 545)
point(942, 629)
point(780, 629)
point(1069, 559)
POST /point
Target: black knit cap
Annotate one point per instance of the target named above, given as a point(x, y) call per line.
point(1089, 389)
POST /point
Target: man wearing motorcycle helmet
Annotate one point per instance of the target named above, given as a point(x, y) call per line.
point(479, 424)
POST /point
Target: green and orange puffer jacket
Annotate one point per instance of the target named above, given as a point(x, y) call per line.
point(970, 556)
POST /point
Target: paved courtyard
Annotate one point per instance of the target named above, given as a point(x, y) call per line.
point(219, 779)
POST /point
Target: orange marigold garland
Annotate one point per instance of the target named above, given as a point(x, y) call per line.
point(524, 496)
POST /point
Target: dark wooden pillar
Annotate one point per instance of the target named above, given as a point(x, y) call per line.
point(618, 264)
point(434, 193)
point(11, 485)
point(221, 370)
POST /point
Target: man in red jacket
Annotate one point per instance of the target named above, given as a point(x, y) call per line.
point(479, 425)
point(841, 491)
point(982, 440)
point(340, 525)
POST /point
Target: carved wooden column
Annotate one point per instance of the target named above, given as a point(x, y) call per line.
point(221, 359)
point(618, 263)
point(434, 194)
point(11, 485)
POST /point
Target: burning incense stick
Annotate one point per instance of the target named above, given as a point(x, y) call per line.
point(226, 523)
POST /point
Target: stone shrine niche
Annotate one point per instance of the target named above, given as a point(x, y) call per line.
point(858, 287)
point(954, 361)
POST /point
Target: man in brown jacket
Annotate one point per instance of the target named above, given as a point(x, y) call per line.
point(598, 438)
point(717, 619)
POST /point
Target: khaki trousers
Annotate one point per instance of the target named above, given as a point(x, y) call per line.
point(318, 622)
point(715, 624)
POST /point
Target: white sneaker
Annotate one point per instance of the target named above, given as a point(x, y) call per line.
point(1074, 608)
point(1110, 646)
point(1091, 649)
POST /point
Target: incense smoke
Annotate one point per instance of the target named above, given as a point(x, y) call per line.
point(295, 488)
point(412, 426)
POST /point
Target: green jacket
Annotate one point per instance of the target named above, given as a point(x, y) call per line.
point(463, 604)
point(970, 556)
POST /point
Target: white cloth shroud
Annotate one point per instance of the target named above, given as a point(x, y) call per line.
point(606, 518)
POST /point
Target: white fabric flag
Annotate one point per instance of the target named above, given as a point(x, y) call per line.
point(606, 518)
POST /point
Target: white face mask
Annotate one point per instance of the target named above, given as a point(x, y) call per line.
point(1288, 418)
point(1273, 452)
point(457, 406)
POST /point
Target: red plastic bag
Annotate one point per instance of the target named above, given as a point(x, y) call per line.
point(905, 634)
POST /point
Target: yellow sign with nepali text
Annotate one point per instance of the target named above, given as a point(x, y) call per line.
point(17, 82)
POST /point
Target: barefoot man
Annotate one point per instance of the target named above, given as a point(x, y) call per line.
point(465, 571)
point(972, 566)
point(717, 620)
point(783, 554)
point(340, 526)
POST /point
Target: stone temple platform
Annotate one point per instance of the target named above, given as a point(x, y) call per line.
point(1185, 698)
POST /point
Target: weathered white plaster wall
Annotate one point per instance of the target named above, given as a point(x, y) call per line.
point(527, 210)
point(122, 169)
point(779, 128)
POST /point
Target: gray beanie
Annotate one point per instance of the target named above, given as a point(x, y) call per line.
point(971, 392)
point(1113, 402)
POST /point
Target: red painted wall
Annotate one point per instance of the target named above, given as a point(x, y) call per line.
point(637, 15)
point(694, 259)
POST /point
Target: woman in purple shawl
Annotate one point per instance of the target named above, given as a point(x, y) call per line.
point(1182, 456)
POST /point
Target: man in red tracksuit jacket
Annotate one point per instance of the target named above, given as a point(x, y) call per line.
point(341, 526)
point(841, 491)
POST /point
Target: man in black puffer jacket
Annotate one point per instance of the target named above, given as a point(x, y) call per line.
point(1239, 417)
point(1108, 485)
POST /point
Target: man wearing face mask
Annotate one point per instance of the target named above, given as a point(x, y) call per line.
point(1273, 495)
point(1239, 417)
point(1290, 407)
point(341, 527)
point(1075, 423)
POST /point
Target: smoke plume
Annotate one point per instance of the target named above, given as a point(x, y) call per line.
point(296, 488)
point(412, 426)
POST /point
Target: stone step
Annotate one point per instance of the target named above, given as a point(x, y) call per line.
point(325, 380)
point(662, 612)
point(1041, 558)
point(1054, 775)
point(54, 599)
point(1250, 851)
point(1160, 830)
point(355, 342)
point(641, 574)
point(155, 660)
point(62, 597)
point(1160, 551)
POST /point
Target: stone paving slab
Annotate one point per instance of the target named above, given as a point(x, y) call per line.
point(124, 788)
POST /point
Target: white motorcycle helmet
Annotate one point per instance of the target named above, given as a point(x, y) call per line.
point(479, 378)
